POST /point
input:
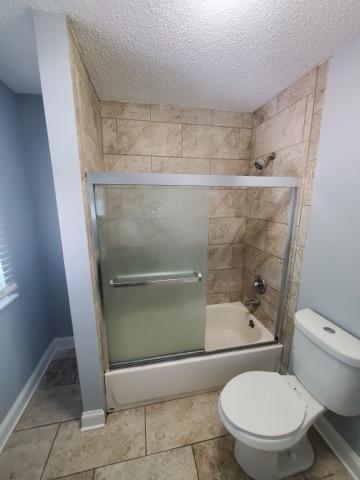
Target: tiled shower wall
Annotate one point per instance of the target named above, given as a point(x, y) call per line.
point(88, 123)
point(290, 126)
point(142, 138)
point(247, 227)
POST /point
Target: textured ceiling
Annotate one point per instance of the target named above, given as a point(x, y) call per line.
point(227, 54)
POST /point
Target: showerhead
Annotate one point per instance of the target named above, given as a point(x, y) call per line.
point(261, 163)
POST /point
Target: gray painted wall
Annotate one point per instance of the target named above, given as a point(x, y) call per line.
point(37, 164)
point(27, 326)
point(56, 83)
point(330, 277)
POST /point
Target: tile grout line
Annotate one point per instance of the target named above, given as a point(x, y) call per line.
point(146, 451)
point(47, 459)
point(196, 467)
point(141, 456)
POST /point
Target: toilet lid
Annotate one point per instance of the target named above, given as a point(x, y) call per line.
point(262, 404)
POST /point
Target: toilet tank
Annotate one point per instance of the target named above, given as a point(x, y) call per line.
point(326, 360)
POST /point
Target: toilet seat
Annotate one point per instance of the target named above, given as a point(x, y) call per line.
point(263, 404)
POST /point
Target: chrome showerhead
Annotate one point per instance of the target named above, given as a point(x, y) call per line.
point(261, 163)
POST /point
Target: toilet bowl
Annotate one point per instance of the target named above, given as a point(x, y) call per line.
point(269, 414)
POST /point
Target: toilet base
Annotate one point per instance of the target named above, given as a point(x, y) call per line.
point(261, 465)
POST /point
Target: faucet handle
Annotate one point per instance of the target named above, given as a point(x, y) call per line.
point(259, 285)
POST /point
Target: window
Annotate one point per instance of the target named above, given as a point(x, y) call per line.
point(7, 281)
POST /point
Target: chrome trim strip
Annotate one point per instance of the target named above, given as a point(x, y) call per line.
point(116, 178)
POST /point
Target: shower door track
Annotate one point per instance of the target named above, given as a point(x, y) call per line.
point(183, 355)
point(159, 179)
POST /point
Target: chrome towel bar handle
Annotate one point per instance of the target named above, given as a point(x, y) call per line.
point(155, 279)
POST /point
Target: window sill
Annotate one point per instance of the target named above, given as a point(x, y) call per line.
point(8, 300)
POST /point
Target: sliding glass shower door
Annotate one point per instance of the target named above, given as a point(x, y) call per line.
point(153, 243)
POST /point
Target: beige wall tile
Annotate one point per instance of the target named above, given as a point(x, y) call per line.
point(170, 113)
point(216, 298)
point(226, 230)
point(270, 267)
point(322, 76)
point(148, 138)
point(210, 142)
point(294, 291)
point(308, 116)
point(130, 111)
point(309, 183)
point(315, 127)
point(270, 204)
point(265, 112)
point(219, 256)
point(290, 161)
point(282, 130)
point(90, 152)
point(224, 280)
point(232, 119)
point(245, 143)
point(313, 148)
point(220, 166)
point(181, 165)
point(255, 233)
point(235, 296)
point(228, 203)
point(298, 90)
point(237, 255)
point(276, 239)
point(128, 163)
point(303, 227)
point(109, 133)
point(299, 258)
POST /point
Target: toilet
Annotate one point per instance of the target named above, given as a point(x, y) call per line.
point(269, 414)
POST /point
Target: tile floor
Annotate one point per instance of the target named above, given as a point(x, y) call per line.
point(176, 440)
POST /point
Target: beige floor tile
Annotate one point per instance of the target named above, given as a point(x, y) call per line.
point(25, 454)
point(175, 465)
point(88, 475)
point(326, 464)
point(182, 422)
point(52, 405)
point(61, 371)
point(122, 438)
point(215, 460)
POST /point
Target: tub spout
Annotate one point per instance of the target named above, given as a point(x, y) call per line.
point(252, 302)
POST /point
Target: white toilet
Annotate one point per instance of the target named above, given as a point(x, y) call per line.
point(269, 414)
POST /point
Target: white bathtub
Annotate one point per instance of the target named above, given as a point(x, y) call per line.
point(231, 325)
point(227, 326)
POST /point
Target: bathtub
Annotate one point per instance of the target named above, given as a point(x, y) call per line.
point(227, 326)
point(230, 325)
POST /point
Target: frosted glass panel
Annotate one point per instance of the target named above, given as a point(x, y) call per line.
point(156, 238)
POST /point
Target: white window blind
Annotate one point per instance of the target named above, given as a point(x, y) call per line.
point(7, 280)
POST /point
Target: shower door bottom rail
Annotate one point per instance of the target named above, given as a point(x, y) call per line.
point(142, 280)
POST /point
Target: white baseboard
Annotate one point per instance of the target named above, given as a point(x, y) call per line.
point(91, 420)
point(340, 447)
point(13, 416)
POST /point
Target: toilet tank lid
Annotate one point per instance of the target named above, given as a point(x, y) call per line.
point(331, 338)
